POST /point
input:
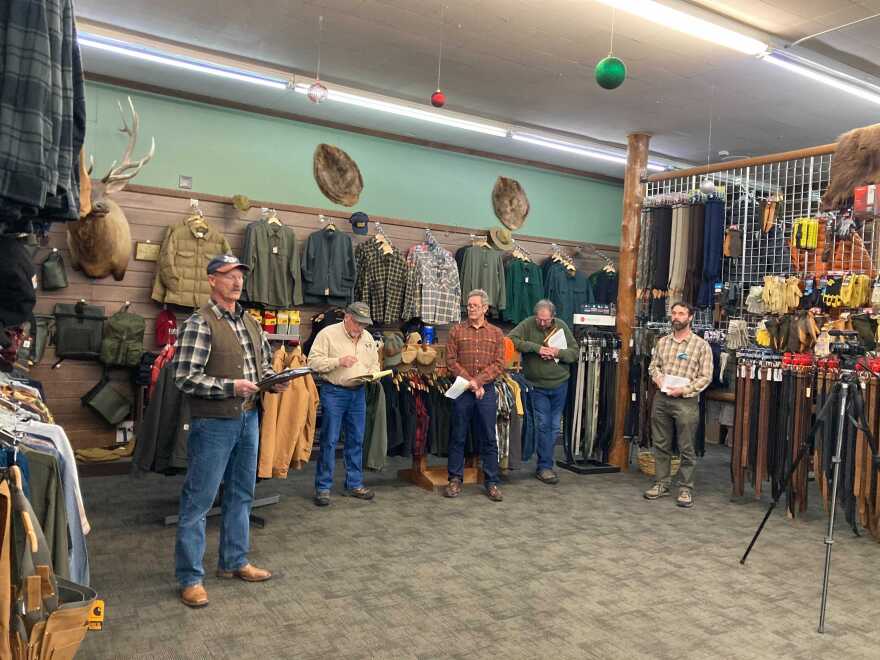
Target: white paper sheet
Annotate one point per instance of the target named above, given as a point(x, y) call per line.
point(457, 388)
point(673, 382)
point(557, 340)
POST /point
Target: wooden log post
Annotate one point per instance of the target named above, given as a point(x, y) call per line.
point(636, 167)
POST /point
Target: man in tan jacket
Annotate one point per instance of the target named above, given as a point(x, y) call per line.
point(341, 353)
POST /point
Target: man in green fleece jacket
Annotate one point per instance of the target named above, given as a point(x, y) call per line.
point(546, 368)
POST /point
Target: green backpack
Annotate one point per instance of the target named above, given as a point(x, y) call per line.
point(123, 341)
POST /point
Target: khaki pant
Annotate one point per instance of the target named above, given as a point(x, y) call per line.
point(668, 416)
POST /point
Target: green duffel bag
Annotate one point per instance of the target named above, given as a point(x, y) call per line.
point(107, 402)
point(52, 272)
point(78, 331)
point(123, 341)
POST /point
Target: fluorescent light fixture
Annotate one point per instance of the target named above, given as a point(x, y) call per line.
point(689, 24)
point(579, 150)
point(148, 55)
point(411, 111)
point(803, 70)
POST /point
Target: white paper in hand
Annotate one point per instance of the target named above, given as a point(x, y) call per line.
point(457, 388)
point(557, 340)
point(673, 383)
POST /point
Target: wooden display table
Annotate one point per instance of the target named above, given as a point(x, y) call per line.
point(436, 478)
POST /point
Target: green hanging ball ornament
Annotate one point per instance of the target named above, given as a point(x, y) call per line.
point(610, 72)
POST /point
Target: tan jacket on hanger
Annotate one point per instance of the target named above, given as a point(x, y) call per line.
point(182, 271)
point(289, 420)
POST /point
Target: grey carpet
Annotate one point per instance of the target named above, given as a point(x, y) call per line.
point(584, 569)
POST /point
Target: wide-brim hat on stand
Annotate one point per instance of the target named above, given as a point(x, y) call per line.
point(337, 175)
point(502, 238)
point(510, 203)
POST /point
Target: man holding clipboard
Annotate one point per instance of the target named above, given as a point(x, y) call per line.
point(682, 368)
point(221, 355)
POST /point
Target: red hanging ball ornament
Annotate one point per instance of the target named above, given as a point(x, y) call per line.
point(438, 99)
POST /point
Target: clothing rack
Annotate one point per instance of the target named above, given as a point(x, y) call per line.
point(216, 510)
point(595, 348)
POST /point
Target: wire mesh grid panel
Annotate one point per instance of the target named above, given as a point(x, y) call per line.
point(765, 202)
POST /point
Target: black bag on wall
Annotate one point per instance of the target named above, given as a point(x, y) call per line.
point(78, 331)
point(53, 273)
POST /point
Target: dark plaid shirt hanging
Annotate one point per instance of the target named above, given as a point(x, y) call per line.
point(42, 110)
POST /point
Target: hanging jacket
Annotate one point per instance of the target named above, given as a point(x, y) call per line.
point(182, 273)
point(483, 268)
point(271, 251)
point(525, 286)
point(328, 268)
point(289, 420)
point(381, 281)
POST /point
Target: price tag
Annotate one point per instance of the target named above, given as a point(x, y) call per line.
point(527, 279)
point(809, 389)
point(274, 249)
point(778, 374)
point(326, 292)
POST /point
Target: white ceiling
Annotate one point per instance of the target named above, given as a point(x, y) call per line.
point(529, 62)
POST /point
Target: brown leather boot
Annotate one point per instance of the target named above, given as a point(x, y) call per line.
point(248, 573)
point(453, 488)
point(194, 596)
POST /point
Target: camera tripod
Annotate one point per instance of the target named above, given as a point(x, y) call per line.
point(847, 394)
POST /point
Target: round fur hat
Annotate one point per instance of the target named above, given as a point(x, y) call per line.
point(510, 203)
point(337, 175)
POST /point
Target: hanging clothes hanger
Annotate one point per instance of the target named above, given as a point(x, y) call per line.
point(479, 241)
point(271, 216)
point(329, 224)
point(382, 239)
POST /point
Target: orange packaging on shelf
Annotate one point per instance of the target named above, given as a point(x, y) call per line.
point(269, 322)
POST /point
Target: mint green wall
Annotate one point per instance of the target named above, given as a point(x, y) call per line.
point(228, 152)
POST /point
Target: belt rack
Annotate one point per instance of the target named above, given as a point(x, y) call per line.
point(595, 348)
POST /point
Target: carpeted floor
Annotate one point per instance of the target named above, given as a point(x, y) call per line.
point(584, 569)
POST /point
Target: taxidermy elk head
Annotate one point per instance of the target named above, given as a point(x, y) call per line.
point(100, 241)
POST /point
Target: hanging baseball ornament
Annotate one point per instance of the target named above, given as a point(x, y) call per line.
point(610, 71)
point(317, 92)
point(438, 98)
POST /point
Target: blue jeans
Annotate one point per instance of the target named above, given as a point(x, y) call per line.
point(217, 450)
point(467, 411)
point(342, 409)
point(548, 405)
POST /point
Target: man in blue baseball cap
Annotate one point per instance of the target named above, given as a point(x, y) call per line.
point(222, 353)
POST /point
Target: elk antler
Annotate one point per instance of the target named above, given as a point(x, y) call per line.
point(120, 175)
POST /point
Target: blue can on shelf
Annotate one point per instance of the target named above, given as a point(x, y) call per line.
point(428, 334)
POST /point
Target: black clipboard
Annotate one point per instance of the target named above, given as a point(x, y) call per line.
point(289, 374)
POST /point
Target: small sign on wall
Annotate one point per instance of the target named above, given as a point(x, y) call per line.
point(147, 251)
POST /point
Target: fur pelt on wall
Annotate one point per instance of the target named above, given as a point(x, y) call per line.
point(337, 175)
point(856, 162)
point(510, 202)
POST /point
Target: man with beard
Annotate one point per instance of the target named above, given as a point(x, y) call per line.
point(681, 367)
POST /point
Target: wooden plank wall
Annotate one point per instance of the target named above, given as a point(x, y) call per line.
point(149, 212)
